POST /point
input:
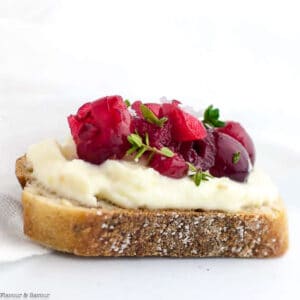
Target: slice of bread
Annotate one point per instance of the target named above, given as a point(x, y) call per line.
point(112, 231)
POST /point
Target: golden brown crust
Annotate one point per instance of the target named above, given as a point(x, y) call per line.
point(21, 170)
point(132, 232)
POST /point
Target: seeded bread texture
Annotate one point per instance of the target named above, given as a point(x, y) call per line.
point(62, 226)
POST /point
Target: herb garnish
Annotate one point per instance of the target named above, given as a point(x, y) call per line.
point(211, 117)
point(139, 147)
point(198, 175)
point(236, 157)
point(151, 117)
point(127, 102)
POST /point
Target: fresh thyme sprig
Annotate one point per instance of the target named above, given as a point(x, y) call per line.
point(139, 147)
point(151, 117)
point(211, 117)
point(197, 175)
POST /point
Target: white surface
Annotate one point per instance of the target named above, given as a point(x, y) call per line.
point(14, 245)
point(242, 57)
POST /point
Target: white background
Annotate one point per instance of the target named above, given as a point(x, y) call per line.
point(238, 55)
point(242, 56)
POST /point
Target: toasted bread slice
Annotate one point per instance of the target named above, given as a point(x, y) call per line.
point(112, 231)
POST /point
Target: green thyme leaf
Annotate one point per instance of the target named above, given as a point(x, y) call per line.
point(140, 153)
point(139, 147)
point(167, 152)
point(127, 102)
point(131, 150)
point(192, 168)
point(135, 140)
point(236, 157)
point(198, 175)
point(147, 139)
point(206, 176)
point(163, 120)
point(211, 117)
point(151, 117)
point(197, 178)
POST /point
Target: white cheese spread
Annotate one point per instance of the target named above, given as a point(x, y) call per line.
point(131, 185)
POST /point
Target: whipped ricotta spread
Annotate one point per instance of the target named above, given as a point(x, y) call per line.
point(131, 185)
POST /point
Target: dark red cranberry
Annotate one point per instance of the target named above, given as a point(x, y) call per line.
point(158, 136)
point(189, 153)
point(238, 132)
point(100, 129)
point(200, 153)
point(174, 167)
point(207, 151)
point(226, 148)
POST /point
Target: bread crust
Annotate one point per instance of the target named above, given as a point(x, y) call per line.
point(134, 232)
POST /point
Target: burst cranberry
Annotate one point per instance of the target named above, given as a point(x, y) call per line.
point(200, 153)
point(225, 164)
point(174, 167)
point(185, 127)
point(189, 153)
point(100, 129)
point(237, 131)
point(76, 122)
point(154, 107)
point(158, 136)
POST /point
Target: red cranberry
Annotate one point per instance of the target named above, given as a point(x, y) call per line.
point(185, 127)
point(237, 131)
point(224, 165)
point(174, 167)
point(100, 129)
point(200, 153)
point(158, 136)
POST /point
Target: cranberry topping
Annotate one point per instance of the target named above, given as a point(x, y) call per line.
point(158, 136)
point(185, 127)
point(238, 132)
point(232, 159)
point(200, 153)
point(174, 167)
point(100, 129)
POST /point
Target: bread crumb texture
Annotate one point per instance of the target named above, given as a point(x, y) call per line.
point(123, 232)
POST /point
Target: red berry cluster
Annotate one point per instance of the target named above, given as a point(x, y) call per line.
point(101, 129)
